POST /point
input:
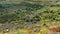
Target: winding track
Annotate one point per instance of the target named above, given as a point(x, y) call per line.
point(10, 25)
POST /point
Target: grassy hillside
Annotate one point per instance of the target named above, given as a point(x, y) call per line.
point(30, 15)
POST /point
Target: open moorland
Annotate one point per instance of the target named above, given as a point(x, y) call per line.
point(29, 16)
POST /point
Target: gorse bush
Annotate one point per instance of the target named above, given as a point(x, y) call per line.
point(28, 13)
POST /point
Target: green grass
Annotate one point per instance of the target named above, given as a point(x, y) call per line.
point(30, 12)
